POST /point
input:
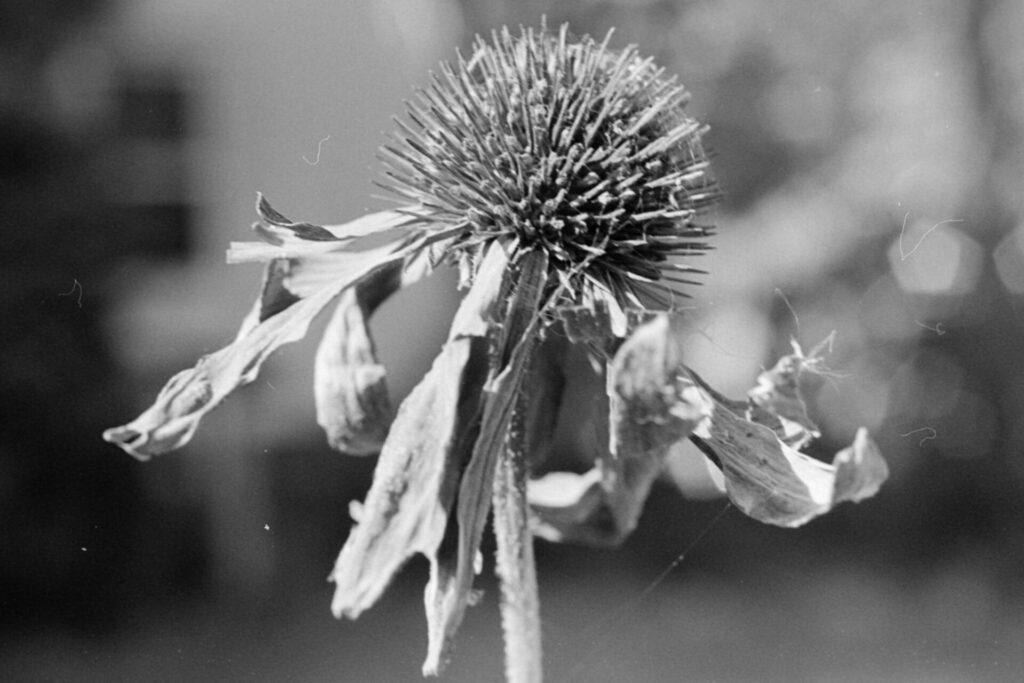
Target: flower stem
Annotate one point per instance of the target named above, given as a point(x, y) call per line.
point(520, 603)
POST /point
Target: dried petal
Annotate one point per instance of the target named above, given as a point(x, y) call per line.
point(777, 402)
point(287, 239)
point(426, 464)
point(776, 484)
point(650, 409)
point(172, 419)
point(450, 587)
point(416, 479)
point(352, 402)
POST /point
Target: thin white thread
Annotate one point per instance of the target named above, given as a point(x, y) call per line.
point(319, 146)
point(937, 328)
point(905, 255)
point(75, 286)
point(930, 434)
point(792, 310)
point(624, 609)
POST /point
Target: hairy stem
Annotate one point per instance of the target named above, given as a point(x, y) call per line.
point(520, 603)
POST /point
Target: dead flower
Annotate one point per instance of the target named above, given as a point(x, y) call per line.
point(565, 181)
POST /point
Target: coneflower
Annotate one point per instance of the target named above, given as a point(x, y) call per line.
point(566, 182)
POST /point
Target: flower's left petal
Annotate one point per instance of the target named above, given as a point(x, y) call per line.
point(776, 484)
point(172, 419)
point(276, 229)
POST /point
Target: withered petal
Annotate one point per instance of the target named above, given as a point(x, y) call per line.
point(416, 479)
point(777, 402)
point(450, 589)
point(429, 468)
point(776, 484)
point(172, 419)
point(650, 408)
point(349, 384)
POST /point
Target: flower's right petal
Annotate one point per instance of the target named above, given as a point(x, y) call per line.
point(776, 484)
point(172, 419)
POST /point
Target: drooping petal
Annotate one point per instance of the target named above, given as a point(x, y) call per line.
point(416, 479)
point(650, 409)
point(422, 473)
point(172, 419)
point(777, 484)
point(352, 402)
point(450, 588)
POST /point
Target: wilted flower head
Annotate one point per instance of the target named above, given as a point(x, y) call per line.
point(583, 153)
point(566, 182)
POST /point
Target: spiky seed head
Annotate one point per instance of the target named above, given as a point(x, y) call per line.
point(566, 146)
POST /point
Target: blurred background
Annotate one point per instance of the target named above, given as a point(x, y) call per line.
point(871, 154)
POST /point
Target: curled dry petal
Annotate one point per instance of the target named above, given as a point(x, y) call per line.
point(293, 293)
point(656, 401)
point(777, 484)
point(416, 479)
point(650, 408)
point(776, 400)
point(172, 419)
point(352, 402)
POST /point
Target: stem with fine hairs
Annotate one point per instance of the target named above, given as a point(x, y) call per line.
point(520, 602)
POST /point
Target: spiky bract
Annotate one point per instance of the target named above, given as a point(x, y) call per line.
point(566, 146)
